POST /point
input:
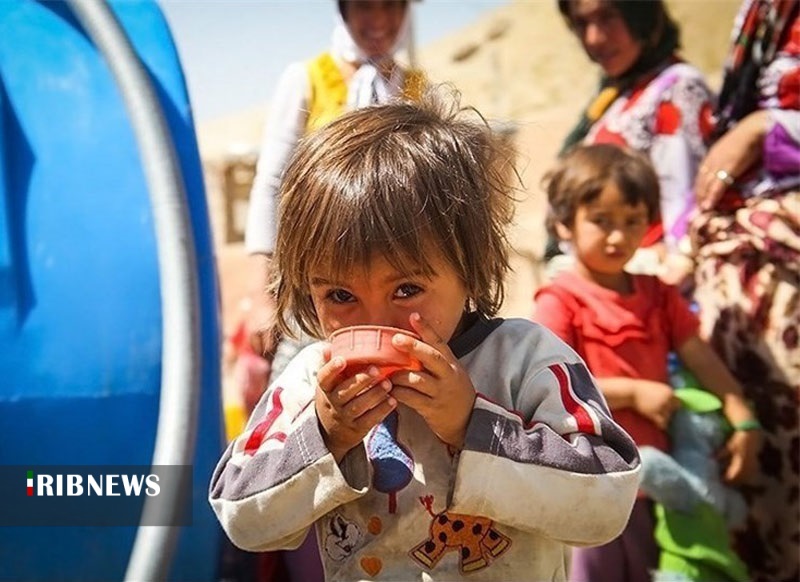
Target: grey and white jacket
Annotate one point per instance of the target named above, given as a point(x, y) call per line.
point(543, 467)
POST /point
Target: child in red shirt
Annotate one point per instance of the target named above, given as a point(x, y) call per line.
point(603, 198)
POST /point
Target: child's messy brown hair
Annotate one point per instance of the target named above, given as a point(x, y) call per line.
point(403, 181)
point(581, 174)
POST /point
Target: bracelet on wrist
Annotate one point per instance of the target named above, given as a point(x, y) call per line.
point(746, 425)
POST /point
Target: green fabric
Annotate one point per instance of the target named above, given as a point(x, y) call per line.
point(698, 400)
point(697, 545)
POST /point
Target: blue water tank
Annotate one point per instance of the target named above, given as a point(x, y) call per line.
point(80, 311)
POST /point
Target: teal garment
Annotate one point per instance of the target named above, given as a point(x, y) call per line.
point(696, 546)
point(709, 560)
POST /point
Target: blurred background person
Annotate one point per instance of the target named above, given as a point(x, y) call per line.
point(359, 69)
point(624, 326)
point(747, 241)
point(651, 101)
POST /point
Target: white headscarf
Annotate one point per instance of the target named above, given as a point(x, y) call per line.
point(368, 86)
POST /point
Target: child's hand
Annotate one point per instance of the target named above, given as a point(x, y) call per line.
point(739, 456)
point(442, 393)
point(348, 407)
point(656, 401)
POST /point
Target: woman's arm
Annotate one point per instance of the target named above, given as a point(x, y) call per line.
point(285, 125)
point(731, 156)
point(714, 376)
point(260, 314)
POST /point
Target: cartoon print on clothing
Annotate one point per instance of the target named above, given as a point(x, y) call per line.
point(391, 462)
point(342, 539)
point(564, 415)
point(374, 525)
point(475, 539)
point(371, 565)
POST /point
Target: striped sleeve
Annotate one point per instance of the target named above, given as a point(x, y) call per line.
point(568, 454)
point(278, 477)
point(572, 379)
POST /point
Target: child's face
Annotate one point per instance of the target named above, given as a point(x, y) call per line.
point(606, 232)
point(381, 295)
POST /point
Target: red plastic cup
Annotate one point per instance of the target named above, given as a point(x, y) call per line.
point(363, 346)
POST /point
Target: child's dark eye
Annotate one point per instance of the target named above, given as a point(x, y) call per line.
point(407, 290)
point(339, 296)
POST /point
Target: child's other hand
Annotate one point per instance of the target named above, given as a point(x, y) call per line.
point(739, 456)
point(656, 401)
point(348, 407)
point(442, 393)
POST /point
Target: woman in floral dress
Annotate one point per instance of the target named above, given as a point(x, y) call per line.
point(747, 242)
point(650, 100)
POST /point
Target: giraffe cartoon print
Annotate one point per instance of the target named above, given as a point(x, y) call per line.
point(474, 538)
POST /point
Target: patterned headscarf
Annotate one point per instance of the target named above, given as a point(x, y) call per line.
point(757, 31)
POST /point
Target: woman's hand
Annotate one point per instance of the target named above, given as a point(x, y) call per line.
point(262, 334)
point(442, 393)
point(730, 157)
point(349, 406)
point(739, 456)
point(677, 269)
point(259, 306)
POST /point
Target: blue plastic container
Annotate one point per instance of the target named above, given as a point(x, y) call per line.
point(80, 314)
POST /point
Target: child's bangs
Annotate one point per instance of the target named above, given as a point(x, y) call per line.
point(370, 225)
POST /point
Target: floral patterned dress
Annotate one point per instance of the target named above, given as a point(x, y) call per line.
point(667, 117)
point(748, 289)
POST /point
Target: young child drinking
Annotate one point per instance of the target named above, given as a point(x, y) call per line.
point(624, 326)
point(489, 461)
